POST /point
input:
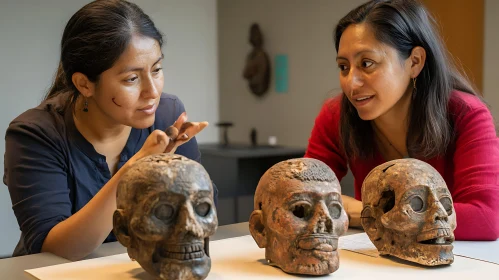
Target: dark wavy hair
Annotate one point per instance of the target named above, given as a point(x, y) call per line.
point(403, 25)
point(94, 39)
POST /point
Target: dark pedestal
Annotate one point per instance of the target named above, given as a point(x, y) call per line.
point(236, 170)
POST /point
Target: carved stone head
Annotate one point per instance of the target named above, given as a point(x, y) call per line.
point(298, 216)
point(165, 214)
point(408, 212)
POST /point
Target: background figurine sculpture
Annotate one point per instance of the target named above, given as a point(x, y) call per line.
point(165, 214)
point(298, 217)
point(408, 212)
point(257, 69)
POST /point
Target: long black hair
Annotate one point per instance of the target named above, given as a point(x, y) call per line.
point(95, 37)
point(403, 25)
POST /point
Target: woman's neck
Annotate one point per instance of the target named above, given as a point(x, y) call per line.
point(97, 128)
point(391, 128)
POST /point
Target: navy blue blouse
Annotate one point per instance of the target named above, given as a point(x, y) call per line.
point(52, 171)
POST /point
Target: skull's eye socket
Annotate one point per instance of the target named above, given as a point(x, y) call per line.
point(447, 204)
point(387, 201)
point(300, 210)
point(203, 209)
point(335, 211)
point(417, 204)
point(164, 212)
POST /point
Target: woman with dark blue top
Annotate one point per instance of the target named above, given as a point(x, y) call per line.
point(105, 110)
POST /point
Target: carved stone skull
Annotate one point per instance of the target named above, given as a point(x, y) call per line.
point(408, 212)
point(165, 214)
point(298, 217)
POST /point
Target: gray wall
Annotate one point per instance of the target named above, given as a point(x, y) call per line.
point(30, 32)
point(302, 30)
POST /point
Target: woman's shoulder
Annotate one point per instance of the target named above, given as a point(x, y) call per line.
point(462, 102)
point(331, 108)
point(169, 109)
point(327, 121)
point(335, 101)
point(466, 108)
point(47, 117)
point(40, 130)
point(168, 98)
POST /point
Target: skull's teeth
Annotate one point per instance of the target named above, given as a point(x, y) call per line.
point(440, 240)
point(191, 248)
point(183, 256)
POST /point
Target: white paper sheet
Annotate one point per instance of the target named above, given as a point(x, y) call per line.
point(359, 243)
point(240, 258)
point(481, 250)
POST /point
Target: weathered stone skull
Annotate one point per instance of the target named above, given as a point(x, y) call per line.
point(298, 217)
point(165, 214)
point(408, 212)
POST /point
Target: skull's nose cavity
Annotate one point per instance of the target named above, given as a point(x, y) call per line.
point(441, 218)
point(187, 223)
point(320, 226)
point(329, 225)
point(440, 213)
point(194, 228)
point(324, 224)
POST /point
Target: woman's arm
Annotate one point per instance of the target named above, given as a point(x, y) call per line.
point(36, 173)
point(476, 176)
point(83, 232)
point(80, 234)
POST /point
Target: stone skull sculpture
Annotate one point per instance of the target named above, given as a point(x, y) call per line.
point(408, 212)
point(165, 214)
point(298, 217)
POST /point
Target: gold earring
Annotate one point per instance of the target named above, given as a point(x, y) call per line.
point(414, 82)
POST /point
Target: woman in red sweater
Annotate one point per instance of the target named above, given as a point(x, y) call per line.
point(402, 97)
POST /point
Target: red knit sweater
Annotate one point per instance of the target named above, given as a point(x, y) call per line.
point(470, 168)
